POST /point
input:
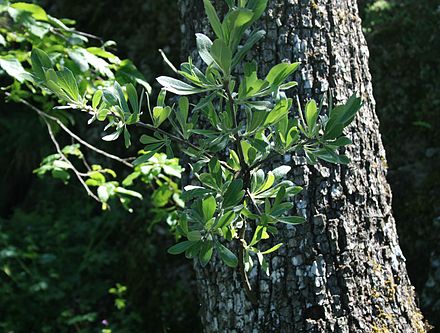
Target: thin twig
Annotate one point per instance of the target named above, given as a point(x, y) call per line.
point(249, 194)
point(63, 157)
point(234, 119)
point(85, 34)
point(73, 135)
point(167, 61)
point(247, 286)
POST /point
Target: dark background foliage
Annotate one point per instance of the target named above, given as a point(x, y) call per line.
point(59, 254)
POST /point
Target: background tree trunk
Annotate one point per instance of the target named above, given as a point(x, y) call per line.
point(343, 270)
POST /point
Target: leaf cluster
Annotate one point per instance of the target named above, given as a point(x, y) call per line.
point(231, 123)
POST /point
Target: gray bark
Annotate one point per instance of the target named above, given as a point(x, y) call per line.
point(343, 270)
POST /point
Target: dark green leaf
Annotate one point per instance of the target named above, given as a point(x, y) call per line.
point(222, 55)
point(291, 219)
point(205, 252)
point(209, 206)
point(227, 256)
point(213, 18)
point(180, 247)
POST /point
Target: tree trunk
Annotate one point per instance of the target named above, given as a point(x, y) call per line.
point(343, 270)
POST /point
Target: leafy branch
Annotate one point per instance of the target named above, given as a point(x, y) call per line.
point(234, 124)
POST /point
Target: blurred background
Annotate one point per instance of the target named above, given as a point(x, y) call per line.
point(56, 238)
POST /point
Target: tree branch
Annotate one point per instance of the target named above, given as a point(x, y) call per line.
point(73, 135)
point(63, 157)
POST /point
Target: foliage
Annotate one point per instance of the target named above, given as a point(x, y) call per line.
point(47, 254)
point(58, 268)
point(250, 118)
point(93, 68)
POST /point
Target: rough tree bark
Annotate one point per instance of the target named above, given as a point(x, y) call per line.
point(343, 270)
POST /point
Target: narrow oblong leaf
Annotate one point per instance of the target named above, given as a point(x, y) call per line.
point(213, 18)
point(96, 98)
point(280, 72)
point(272, 249)
point(209, 206)
point(180, 247)
point(205, 252)
point(204, 47)
point(291, 219)
point(222, 55)
point(311, 113)
point(227, 256)
point(178, 87)
point(40, 62)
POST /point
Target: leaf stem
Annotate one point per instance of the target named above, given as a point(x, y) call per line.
point(250, 293)
point(247, 286)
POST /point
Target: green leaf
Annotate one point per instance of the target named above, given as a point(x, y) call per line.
point(160, 114)
point(227, 256)
point(40, 62)
point(340, 116)
point(79, 59)
point(209, 206)
point(257, 7)
point(288, 85)
point(144, 158)
point(132, 97)
point(180, 247)
point(67, 81)
point(213, 18)
point(291, 219)
point(127, 141)
point(113, 136)
point(14, 68)
point(146, 139)
point(194, 235)
point(172, 170)
point(279, 73)
point(233, 194)
point(272, 249)
point(331, 156)
point(178, 87)
point(341, 141)
point(130, 193)
point(38, 13)
point(96, 98)
point(103, 193)
point(205, 252)
point(235, 24)
point(182, 115)
point(226, 219)
point(191, 192)
point(204, 47)
point(281, 171)
point(222, 55)
point(278, 112)
point(251, 41)
point(351, 107)
point(311, 114)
